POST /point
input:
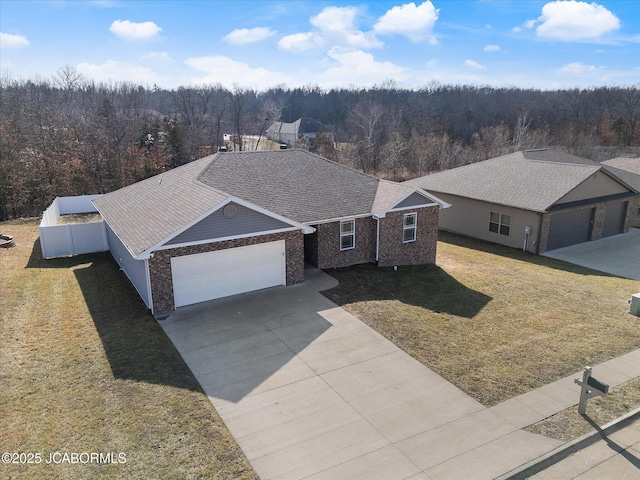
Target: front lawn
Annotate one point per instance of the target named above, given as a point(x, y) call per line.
point(85, 369)
point(494, 321)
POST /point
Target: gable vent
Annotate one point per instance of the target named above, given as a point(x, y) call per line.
point(230, 211)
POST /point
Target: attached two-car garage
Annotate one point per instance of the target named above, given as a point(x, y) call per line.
point(570, 227)
point(576, 226)
point(207, 276)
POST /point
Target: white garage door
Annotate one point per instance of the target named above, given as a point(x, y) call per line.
point(205, 276)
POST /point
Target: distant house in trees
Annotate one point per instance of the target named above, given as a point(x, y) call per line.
point(303, 133)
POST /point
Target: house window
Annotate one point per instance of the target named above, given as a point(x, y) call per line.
point(409, 224)
point(499, 223)
point(347, 234)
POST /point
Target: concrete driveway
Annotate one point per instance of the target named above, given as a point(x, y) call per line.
point(309, 391)
point(618, 255)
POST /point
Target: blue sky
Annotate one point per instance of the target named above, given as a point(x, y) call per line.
point(260, 44)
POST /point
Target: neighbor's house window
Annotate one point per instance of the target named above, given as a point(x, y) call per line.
point(409, 227)
point(347, 234)
point(499, 223)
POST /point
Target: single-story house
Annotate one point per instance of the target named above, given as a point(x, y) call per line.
point(234, 222)
point(300, 134)
point(627, 169)
point(536, 200)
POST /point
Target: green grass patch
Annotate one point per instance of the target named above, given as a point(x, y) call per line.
point(85, 368)
point(495, 321)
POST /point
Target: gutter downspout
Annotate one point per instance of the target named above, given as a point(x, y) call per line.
point(148, 279)
point(377, 237)
point(539, 234)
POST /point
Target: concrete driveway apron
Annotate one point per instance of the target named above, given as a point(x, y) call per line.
point(309, 391)
point(617, 255)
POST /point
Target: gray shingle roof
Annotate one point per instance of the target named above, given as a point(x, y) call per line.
point(295, 184)
point(309, 125)
point(147, 212)
point(625, 163)
point(626, 169)
point(531, 180)
point(389, 194)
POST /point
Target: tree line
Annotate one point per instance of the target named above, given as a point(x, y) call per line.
point(66, 135)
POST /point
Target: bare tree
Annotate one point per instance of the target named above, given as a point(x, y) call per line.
point(625, 105)
point(365, 121)
point(270, 112)
point(239, 98)
point(520, 131)
point(68, 78)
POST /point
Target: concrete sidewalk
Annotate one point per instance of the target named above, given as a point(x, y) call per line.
point(612, 451)
point(309, 391)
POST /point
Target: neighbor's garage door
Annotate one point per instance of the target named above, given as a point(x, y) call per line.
point(205, 276)
point(614, 219)
point(569, 228)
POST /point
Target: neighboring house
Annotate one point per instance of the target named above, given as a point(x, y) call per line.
point(240, 221)
point(536, 200)
point(628, 170)
point(300, 134)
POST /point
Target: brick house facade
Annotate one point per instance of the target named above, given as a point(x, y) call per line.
point(252, 209)
point(394, 251)
point(322, 248)
point(160, 264)
point(324, 245)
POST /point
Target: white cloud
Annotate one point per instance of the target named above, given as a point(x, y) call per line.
point(491, 48)
point(113, 71)
point(414, 22)
point(577, 68)
point(572, 20)
point(243, 36)
point(132, 31)
point(9, 40)
point(529, 24)
point(334, 26)
point(337, 24)
point(473, 64)
point(299, 42)
point(227, 72)
point(159, 57)
point(355, 67)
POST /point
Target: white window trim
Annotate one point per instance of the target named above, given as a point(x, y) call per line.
point(352, 234)
point(413, 227)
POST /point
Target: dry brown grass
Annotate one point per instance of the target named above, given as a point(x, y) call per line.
point(495, 321)
point(85, 368)
point(569, 424)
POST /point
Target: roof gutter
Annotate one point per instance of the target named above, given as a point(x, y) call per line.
point(336, 219)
